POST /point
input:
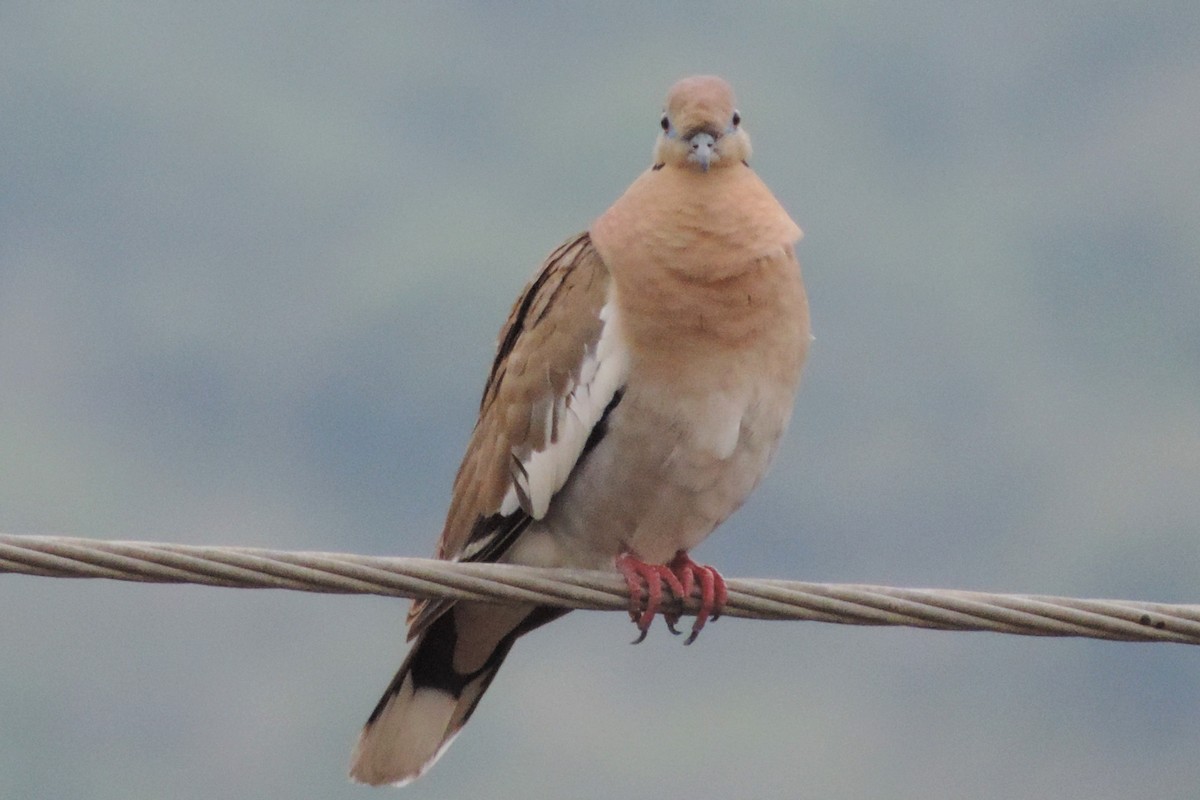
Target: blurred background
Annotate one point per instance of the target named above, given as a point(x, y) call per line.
point(253, 258)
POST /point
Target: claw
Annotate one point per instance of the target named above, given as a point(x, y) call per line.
point(713, 593)
point(645, 582)
point(681, 575)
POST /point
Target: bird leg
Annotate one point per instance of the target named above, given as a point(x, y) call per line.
point(713, 593)
point(645, 582)
point(681, 575)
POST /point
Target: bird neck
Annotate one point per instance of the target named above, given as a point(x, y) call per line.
point(706, 226)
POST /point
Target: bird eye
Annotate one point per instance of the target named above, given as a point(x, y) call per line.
point(666, 123)
point(737, 119)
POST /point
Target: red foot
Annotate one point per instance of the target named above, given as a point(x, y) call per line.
point(681, 576)
point(643, 605)
point(713, 593)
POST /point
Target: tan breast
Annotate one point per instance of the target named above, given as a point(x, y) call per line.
point(704, 266)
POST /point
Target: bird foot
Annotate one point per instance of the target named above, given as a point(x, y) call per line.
point(713, 593)
point(681, 575)
point(645, 582)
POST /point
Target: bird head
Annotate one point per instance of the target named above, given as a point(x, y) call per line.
point(701, 127)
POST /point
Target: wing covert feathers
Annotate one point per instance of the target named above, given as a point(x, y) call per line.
point(559, 361)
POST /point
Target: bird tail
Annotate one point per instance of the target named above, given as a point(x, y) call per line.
point(448, 669)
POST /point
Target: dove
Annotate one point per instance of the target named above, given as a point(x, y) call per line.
point(639, 390)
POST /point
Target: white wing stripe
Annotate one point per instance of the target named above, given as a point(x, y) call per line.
point(603, 371)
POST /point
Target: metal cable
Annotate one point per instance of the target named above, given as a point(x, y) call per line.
point(341, 573)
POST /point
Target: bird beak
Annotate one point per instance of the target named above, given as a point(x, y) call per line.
point(703, 146)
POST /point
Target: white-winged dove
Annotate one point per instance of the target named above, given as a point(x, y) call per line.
point(639, 390)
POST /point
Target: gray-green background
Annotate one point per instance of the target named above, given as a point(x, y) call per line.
point(252, 260)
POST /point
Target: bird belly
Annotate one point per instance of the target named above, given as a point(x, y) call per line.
point(672, 467)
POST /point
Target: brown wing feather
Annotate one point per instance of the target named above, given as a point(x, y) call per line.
point(538, 358)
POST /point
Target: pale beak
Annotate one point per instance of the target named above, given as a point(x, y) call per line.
point(703, 146)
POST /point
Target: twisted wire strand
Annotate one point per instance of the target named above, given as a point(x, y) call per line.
point(343, 573)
